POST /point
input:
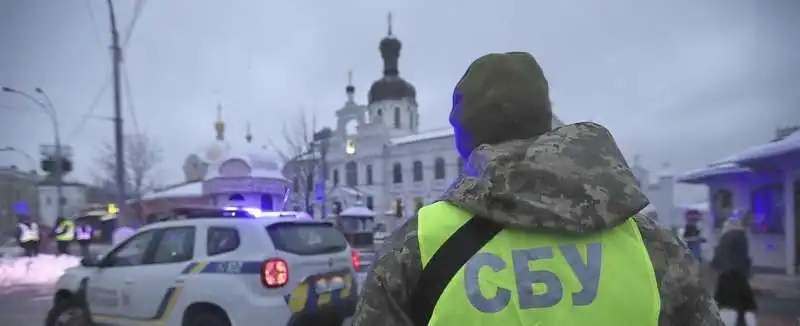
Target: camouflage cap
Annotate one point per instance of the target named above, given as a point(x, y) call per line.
point(503, 96)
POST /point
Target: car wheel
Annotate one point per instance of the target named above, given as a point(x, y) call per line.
point(68, 312)
point(208, 318)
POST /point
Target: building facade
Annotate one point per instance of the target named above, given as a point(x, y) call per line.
point(761, 185)
point(378, 153)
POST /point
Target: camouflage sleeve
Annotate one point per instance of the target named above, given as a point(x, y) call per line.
point(685, 296)
point(390, 280)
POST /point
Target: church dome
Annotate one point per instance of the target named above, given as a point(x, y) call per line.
point(391, 88)
point(213, 152)
point(262, 158)
point(249, 160)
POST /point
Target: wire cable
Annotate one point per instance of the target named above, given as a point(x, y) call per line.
point(137, 12)
point(94, 22)
point(131, 108)
point(138, 7)
point(90, 111)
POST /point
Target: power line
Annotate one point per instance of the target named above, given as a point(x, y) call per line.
point(127, 84)
point(94, 22)
point(138, 7)
point(137, 12)
point(92, 107)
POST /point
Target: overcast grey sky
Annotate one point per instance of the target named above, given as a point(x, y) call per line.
point(681, 81)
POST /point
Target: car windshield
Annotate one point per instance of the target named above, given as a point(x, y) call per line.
point(307, 238)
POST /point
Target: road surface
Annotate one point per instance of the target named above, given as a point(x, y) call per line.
point(27, 306)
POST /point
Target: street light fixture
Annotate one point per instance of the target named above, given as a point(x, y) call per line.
point(47, 105)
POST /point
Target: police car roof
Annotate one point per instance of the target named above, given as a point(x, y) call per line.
point(223, 220)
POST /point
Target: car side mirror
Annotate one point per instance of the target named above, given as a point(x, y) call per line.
point(89, 262)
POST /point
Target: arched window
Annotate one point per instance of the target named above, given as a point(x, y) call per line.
point(397, 173)
point(439, 169)
point(411, 121)
point(351, 174)
point(397, 117)
point(417, 171)
point(296, 184)
point(236, 197)
point(335, 177)
point(368, 173)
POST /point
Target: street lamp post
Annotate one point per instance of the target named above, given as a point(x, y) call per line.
point(47, 105)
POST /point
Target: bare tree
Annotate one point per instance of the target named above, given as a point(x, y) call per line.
point(142, 157)
point(298, 157)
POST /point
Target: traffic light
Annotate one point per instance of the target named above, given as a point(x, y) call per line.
point(112, 209)
point(48, 164)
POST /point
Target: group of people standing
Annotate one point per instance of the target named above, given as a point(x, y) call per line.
point(731, 266)
point(64, 233)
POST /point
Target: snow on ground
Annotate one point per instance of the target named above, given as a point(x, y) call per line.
point(44, 269)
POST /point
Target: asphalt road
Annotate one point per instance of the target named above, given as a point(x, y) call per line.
point(28, 305)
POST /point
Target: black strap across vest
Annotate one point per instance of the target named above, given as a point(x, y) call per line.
point(445, 263)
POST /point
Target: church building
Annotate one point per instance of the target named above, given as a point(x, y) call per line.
point(379, 155)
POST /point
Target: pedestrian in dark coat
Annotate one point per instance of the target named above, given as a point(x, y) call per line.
point(732, 263)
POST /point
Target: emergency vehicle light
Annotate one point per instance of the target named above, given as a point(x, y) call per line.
point(255, 212)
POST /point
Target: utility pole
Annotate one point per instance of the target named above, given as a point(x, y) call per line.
point(116, 59)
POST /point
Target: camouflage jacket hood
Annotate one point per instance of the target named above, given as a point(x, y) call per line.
point(573, 179)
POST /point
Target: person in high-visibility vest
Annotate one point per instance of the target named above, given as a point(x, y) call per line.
point(83, 234)
point(64, 234)
point(28, 235)
point(541, 227)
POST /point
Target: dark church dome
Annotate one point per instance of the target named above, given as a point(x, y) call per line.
point(391, 88)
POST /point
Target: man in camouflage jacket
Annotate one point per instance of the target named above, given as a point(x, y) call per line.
point(523, 174)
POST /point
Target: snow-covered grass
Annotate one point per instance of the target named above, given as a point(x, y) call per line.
point(40, 270)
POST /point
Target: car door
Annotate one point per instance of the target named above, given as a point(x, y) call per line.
point(157, 283)
point(109, 284)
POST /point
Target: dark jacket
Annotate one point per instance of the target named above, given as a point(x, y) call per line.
point(732, 253)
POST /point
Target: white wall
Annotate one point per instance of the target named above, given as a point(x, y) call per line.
point(429, 188)
point(74, 196)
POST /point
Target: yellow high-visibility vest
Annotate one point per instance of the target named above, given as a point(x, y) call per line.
point(69, 231)
point(520, 278)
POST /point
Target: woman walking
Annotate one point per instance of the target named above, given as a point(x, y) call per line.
point(732, 262)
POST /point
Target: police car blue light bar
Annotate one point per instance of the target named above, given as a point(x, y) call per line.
point(255, 212)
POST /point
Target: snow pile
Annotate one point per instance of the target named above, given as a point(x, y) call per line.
point(44, 269)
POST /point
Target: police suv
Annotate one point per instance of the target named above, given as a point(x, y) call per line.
point(227, 268)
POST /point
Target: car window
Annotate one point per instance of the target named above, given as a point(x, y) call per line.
point(307, 238)
point(221, 240)
point(131, 252)
point(175, 245)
